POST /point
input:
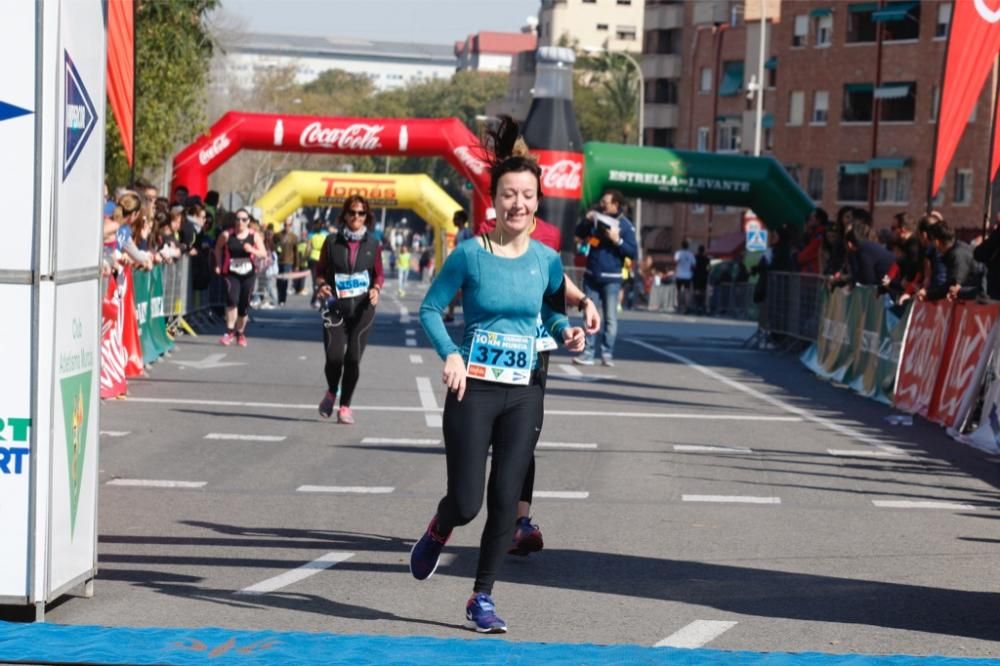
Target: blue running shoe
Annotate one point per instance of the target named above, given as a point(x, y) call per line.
point(481, 615)
point(527, 538)
point(425, 553)
point(326, 405)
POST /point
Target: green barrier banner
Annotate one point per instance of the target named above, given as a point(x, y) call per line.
point(859, 342)
point(863, 370)
point(141, 284)
point(831, 353)
point(158, 320)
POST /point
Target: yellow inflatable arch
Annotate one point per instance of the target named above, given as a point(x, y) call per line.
point(416, 192)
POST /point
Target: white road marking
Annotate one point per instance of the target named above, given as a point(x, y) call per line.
point(411, 331)
point(401, 440)
point(245, 438)
point(566, 445)
point(416, 359)
point(115, 433)
point(771, 400)
point(920, 504)
point(731, 499)
point(696, 448)
point(393, 408)
point(302, 358)
point(348, 490)
point(404, 320)
point(865, 453)
point(722, 350)
point(156, 483)
point(296, 575)
point(410, 342)
point(561, 494)
point(697, 634)
point(570, 370)
point(429, 402)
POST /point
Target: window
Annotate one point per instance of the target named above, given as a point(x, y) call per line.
point(943, 23)
point(706, 79)
point(625, 2)
point(732, 78)
point(814, 188)
point(893, 186)
point(821, 107)
point(698, 208)
point(796, 107)
point(602, 26)
point(729, 138)
point(662, 137)
point(901, 20)
point(660, 41)
point(704, 136)
point(794, 172)
point(899, 101)
point(661, 91)
point(625, 32)
point(801, 33)
point(852, 182)
point(824, 30)
point(858, 102)
point(963, 186)
point(860, 25)
point(590, 2)
point(935, 103)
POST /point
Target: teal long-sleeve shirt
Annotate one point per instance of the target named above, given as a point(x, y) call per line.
point(499, 294)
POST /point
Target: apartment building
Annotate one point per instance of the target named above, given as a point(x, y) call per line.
point(612, 24)
point(857, 109)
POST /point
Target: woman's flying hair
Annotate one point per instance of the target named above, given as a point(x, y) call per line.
point(506, 152)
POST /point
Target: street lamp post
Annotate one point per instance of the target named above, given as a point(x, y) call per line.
point(642, 110)
point(758, 120)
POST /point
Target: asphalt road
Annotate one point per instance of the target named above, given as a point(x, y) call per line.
point(654, 534)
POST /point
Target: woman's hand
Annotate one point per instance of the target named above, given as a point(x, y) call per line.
point(324, 291)
point(454, 375)
point(250, 248)
point(373, 296)
point(573, 338)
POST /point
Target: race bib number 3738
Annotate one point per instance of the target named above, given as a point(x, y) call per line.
point(501, 357)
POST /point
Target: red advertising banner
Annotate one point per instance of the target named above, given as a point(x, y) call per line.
point(973, 43)
point(923, 352)
point(971, 324)
point(562, 173)
point(130, 327)
point(113, 354)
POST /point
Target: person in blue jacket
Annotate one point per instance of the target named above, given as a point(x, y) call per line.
point(495, 391)
point(610, 237)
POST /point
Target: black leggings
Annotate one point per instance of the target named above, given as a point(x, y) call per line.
point(239, 289)
point(345, 342)
point(506, 417)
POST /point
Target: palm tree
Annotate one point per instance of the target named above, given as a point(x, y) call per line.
point(619, 82)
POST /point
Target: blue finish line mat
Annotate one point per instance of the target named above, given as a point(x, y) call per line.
point(71, 644)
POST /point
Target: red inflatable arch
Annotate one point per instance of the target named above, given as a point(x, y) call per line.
point(441, 137)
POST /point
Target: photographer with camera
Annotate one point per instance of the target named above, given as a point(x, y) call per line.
point(611, 238)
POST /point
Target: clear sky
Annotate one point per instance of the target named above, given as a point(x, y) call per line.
point(426, 21)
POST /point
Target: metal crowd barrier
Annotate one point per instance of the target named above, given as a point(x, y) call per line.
point(793, 305)
point(733, 300)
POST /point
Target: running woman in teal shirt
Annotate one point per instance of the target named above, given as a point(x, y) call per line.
point(495, 394)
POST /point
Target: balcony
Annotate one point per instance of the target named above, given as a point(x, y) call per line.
point(661, 67)
point(661, 115)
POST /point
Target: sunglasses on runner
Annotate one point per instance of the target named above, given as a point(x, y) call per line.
point(357, 213)
point(242, 218)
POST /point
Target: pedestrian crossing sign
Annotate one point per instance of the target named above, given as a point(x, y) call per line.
point(756, 240)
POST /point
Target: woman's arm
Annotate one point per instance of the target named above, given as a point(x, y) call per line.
point(219, 244)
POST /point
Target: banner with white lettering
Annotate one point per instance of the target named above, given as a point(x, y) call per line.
point(978, 420)
point(80, 65)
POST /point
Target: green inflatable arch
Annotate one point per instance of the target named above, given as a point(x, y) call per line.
point(661, 174)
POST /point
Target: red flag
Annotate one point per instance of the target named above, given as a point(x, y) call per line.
point(972, 46)
point(995, 162)
point(121, 69)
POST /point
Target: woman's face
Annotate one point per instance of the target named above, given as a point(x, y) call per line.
point(147, 228)
point(357, 214)
point(516, 200)
point(242, 222)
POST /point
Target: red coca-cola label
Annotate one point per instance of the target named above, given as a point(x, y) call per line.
point(562, 173)
point(359, 136)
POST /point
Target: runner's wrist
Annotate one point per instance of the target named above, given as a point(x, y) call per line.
point(582, 303)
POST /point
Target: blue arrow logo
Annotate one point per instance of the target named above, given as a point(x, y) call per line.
point(79, 116)
point(8, 111)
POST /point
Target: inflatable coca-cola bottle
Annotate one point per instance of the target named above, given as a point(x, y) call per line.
point(554, 137)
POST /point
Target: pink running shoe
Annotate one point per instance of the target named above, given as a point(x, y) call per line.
point(227, 339)
point(345, 416)
point(241, 339)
